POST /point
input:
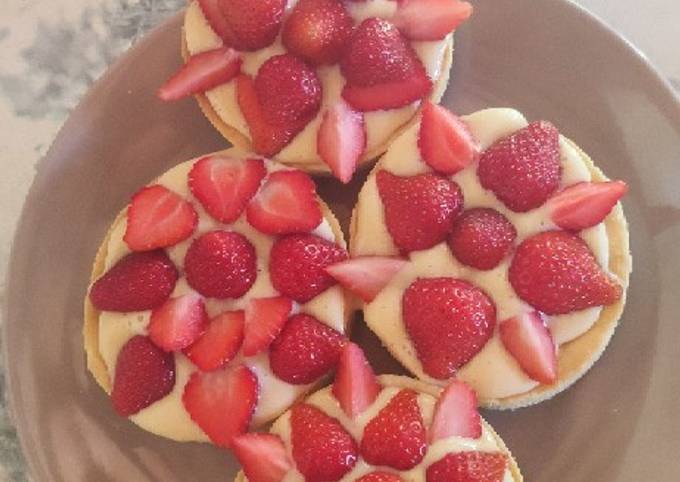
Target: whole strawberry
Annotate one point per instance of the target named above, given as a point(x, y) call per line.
point(469, 467)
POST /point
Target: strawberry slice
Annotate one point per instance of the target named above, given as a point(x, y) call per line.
point(220, 342)
point(469, 467)
point(224, 185)
point(264, 321)
point(178, 322)
point(287, 203)
point(445, 141)
point(529, 341)
point(341, 140)
point(201, 73)
point(366, 276)
point(388, 95)
point(380, 477)
point(355, 386)
point(144, 374)
point(263, 456)
point(430, 19)
point(585, 204)
point(455, 414)
point(158, 218)
point(222, 402)
point(213, 14)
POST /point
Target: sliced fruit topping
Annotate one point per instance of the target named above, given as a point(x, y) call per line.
point(396, 437)
point(318, 30)
point(178, 322)
point(341, 140)
point(264, 318)
point(224, 185)
point(445, 141)
point(585, 204)
point(469, 467)
point(481, 238)
point(287, 203)
point(455, 414)
point(298, 262)
point(137, 282)
point(220, 342)
point(430, 19)
point(322, 449)
point(222, 402)
point(388, 95)
point(449, 322)
point(221, 264)
point(263, 456)
point(380, 477)
point(366, 276)
point(529, 341)
point(305, 351)
point(201, 73)
point(158, 218)
point(556, 273)
point(523, 170)
point(355, 386)
point(419, 210)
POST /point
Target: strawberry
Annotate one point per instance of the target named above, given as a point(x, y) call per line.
point(318, 30)
point(481, 238)
point(305, 351)
point(556, 273)
point(355, 386)
point(529, 341)
point(419, 210)
point(523, 170)
point(449, 322)
point(297, 265)
point(139, 281)
point(455, 414)
point(265, 318)
point(469, 467)
point(158, 218)
point(224, 185)
point(222, 402)
point(220, 342)
point(396, 436)
point(445, 141)
point(380, 477)
point(201, 73)
point(585, 204)
point(221, 264)
point(262, 455)
point(341, 140)
point(366, 276)
point(430, 19)
point(389, 95)
point(178, 322)
point(144, 374)
point(287, 203)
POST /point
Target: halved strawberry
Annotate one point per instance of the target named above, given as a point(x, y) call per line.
point(213, 13)
point(388, 95)
point(262, 455)
point(264, 321)
point(201, 73)
point(445, 141)
point(355, 386)
point(455, 414)
point(178, 322)
point(224, 185)
point(585, 204)
point(469, 467)
point(529, 341)
point(430, 19)
point(366, 276)
point(220, 342)
point(158, 218)
point(341, 140)
point(380, 477)
point(222, 402)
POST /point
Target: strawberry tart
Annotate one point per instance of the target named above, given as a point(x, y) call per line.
point(378, 429)
point(323, 85)
point(490, 250)
point(209, 310)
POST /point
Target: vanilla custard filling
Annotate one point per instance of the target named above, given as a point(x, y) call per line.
point(493, 372)
point(168, 417)
point(380, 125)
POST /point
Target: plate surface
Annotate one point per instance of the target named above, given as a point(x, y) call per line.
point(547, 58)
